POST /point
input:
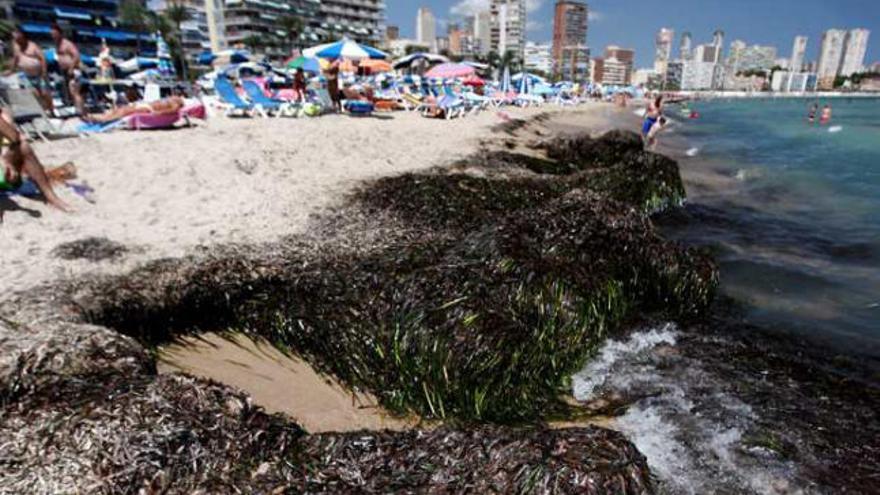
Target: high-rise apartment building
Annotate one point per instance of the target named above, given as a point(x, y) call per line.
point(509, 27)
point(616, 72)
point(854, 52)
point(615, 55)
point(798, 50)
point(426, 28)
point(718, 43)
point(360, 20)
point(831, 57)
point(663, 50)
point(481, 33)
point(538, 57)
point(86, 22)
point(205, 30)
point(684, 48)
point(392, 33)
point(571, 55)
point(258, 19)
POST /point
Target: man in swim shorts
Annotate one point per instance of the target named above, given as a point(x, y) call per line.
point(28, 59)
point(69, 63)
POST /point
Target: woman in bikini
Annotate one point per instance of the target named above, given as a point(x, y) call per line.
point(171, 104)
point(19, 161)
point(651, 124)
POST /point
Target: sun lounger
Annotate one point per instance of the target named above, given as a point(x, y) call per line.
point(234, 103)
point(264, 104)
point(27, 113)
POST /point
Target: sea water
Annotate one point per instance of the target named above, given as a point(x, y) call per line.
point(792, 210)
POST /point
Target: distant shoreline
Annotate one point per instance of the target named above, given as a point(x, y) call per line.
point(770, 95)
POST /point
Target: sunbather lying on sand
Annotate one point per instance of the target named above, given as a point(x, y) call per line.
point(19, 160)
point(171, 104)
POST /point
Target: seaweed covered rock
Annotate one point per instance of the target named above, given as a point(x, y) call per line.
point(487, 324)
point(176, 434)
point(34, 358)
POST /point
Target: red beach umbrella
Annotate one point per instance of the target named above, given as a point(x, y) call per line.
point(473, 80)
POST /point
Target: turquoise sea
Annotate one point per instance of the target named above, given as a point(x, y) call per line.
point(792, 210)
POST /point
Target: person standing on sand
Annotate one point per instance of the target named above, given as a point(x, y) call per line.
point(299, 85)
point(69, 63)
point(332, 74)
point(19, 160)
point(826, 115)
point(28, 59)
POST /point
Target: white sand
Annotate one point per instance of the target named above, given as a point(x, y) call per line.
point(229, 180)
point(278, 382)
point(165, 193)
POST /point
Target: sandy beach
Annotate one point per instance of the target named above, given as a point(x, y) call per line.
point(177, 193)
point(167, 193)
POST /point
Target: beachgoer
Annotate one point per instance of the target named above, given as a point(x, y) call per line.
point(826, 115)
point(19, 161)
point(69, 64)
point(171, 104)
point(652, 117)
point(813, 110)
point(28, 59)
point(332, 74)
point(299, 85)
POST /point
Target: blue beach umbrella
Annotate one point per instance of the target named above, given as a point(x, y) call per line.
point(505, 81)
point(345, 48)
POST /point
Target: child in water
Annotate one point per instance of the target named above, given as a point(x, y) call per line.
point(813, 110)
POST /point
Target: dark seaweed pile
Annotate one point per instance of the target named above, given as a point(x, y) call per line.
point(504, 287)
point(91, 249)
point(107, 433)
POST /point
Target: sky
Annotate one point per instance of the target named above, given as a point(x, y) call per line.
point(634, 23)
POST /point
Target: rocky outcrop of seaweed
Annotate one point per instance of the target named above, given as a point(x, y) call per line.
point(175, 434)
point(489, 284)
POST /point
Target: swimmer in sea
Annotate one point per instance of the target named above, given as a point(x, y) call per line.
point(813, 110)
point(650, 126)
point(826, 115)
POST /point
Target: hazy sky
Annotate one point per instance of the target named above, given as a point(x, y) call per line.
point(633, 23)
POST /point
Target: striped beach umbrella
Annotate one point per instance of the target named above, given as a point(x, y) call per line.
point(345, 48)
point(505, 81)
point(451, 71)
point(166, 66)
point(307, 64)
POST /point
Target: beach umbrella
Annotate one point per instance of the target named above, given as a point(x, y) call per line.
point(408, 60)
point(376, 65)
point(473, 81)
point(308, 64)
point(451, 70)
point(166, 66)
point(344, 48)
point(533, 79)
point(476, 65)
point(523, 85)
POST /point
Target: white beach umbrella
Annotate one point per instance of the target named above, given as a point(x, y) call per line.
point(344, 48)
point(505, 80)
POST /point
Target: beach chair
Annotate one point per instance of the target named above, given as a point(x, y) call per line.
point(234, 104)
point(412, 103)
point(265, 105)
point(27, 113)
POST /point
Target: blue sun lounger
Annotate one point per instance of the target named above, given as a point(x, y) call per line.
point(263, 103)
point(227, 93)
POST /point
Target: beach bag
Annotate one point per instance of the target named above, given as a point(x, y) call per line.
point(312, 109)
point(360, 107)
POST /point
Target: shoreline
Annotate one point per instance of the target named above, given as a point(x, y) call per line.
point(167, 283)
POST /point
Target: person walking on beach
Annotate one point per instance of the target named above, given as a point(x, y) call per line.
point(826, 115)
point(69, 61)
point(332, 73)
point(28, 59)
